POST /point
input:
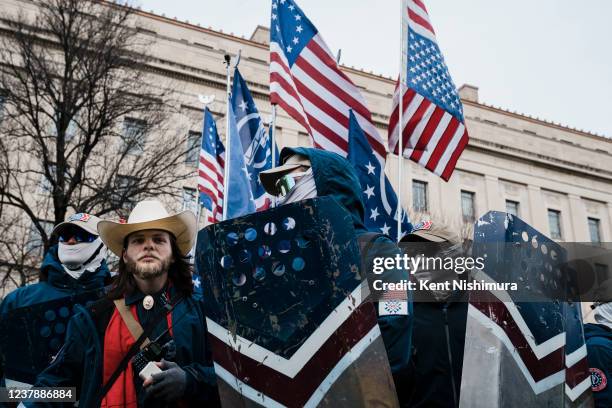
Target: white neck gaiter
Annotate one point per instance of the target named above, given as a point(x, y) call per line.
point(603, 314)
point(78, 258)
point(304, 188)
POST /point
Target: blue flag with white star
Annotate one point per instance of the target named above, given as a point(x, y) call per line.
point(256, 142)
point(239, 194)
point(378, 195)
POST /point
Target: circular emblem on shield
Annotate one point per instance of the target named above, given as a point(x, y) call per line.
point(598, 379)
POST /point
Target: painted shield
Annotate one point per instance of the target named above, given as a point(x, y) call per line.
point(285, 315)
point(519, 350)
point(30, 336)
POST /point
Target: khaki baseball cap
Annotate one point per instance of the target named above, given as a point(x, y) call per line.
point(269, 177)
point(430, 231)
point(84, 221)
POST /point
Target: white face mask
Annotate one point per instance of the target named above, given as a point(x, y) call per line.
point(79, 258)
point(603, 314)
point(304, 188)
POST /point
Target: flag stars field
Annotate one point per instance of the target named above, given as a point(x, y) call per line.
point(374, 213)
point(385, 229)
point(370, 168)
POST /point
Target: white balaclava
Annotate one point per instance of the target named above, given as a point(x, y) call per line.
point(80, 258)
point(304, 188)
point(603, 314)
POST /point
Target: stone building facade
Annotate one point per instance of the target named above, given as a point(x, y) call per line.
point(556, 178)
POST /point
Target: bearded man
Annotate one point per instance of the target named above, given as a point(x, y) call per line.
point(145, 344)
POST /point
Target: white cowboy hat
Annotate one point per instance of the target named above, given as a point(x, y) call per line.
point(150, 215)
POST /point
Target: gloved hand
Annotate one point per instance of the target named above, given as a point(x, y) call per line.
point(169, 385)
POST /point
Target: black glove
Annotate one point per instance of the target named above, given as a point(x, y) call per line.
point(170, 384)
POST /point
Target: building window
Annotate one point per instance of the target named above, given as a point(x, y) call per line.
point(71, 130)
point(193, 148)
point(35, 245)
point(554, 223)
point(2, 105)
point(594, 230)
point(467, 206)
point(190, 199)
point(134, 135)
point(121, 196)
point(45, 184)
point(601, 273)
point(419, 195)
point(512, 207)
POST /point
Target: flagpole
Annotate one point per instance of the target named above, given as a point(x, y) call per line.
point(227, 136)
point(273, 135)
point(273, 149)
point(400, 155)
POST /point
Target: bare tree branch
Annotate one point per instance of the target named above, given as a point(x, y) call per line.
point(83, 117)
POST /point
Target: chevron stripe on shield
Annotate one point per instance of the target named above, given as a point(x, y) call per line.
point(285, 310)
point(523, 348)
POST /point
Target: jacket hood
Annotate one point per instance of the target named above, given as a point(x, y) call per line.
point(597, 330)
point(57, 276)
point(335, 177)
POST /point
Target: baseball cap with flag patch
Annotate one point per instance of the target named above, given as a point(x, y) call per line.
point(430, 231)
point(85, 221)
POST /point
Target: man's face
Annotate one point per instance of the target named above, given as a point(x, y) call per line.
point(148, 254)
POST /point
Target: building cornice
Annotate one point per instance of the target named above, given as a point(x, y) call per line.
point(538, 121)
point(501, 150)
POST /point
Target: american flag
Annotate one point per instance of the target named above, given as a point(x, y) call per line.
point(434, 133)
point(306, 82)
point(256, 142)
point(210, 169)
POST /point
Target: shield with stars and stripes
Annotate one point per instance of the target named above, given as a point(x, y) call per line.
point(523, 347)
point(285, 310)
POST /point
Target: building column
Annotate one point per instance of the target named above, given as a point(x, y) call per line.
point(537, 210)
point(495, 201)
point(578, 219)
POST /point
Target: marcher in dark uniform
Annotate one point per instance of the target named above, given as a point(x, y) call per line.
point(308, 173)
point(434, 377)
point(598, 337)
point(152, 294)
point(72, 271)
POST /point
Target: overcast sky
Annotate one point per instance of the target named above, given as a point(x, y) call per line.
point(547, 58)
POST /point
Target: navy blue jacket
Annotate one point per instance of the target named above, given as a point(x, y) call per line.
point(58, 285)
point(80, 362)
point(599, 354)
point(335, 177)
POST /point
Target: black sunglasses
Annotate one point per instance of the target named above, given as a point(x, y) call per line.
point(78, 234)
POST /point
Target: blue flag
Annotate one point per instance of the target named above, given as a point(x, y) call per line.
point(239, 194)
point(256, 142)
point(378, 195)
